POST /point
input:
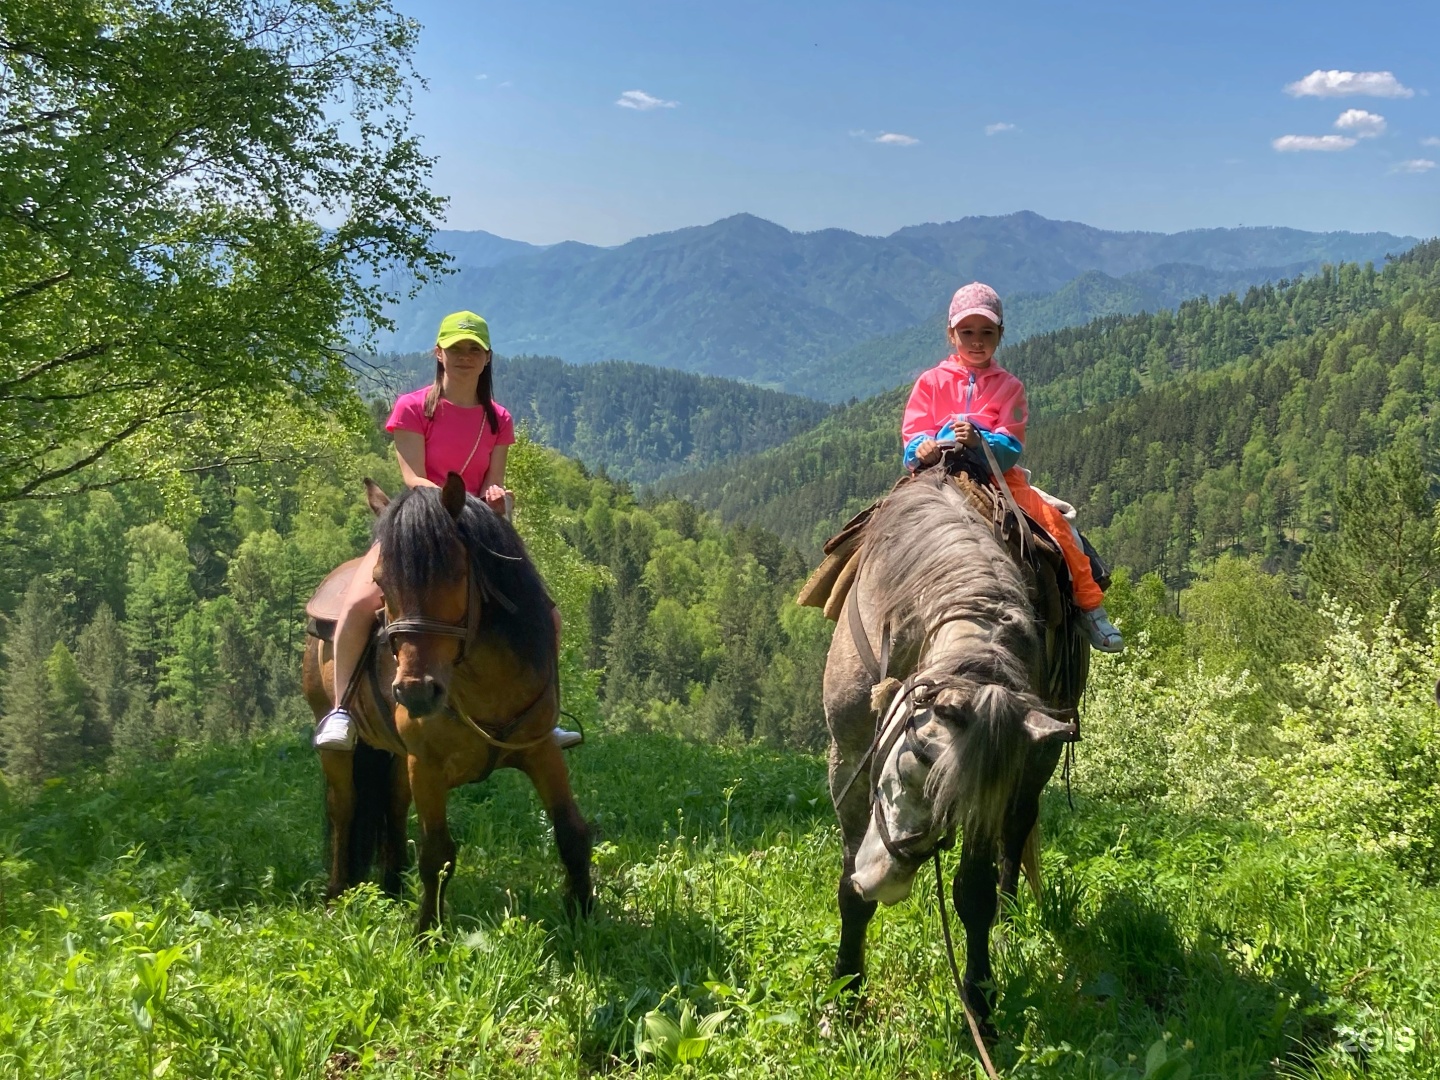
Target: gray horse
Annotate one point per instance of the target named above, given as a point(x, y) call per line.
point(966, 747)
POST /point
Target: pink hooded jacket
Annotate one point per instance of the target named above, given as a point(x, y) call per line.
point(990, 398)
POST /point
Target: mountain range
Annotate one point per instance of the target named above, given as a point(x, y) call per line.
point(818, 312)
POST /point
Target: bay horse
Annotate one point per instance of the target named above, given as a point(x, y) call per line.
point(469, 683)
point(966, 744)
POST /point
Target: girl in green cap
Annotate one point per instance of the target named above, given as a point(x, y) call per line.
point(453, 425)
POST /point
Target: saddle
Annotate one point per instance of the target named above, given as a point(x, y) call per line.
point(323, 607)
point(1046, 575)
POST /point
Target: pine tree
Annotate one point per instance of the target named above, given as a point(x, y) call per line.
point(1385, 548)
point(105, 664)
point(32, 635)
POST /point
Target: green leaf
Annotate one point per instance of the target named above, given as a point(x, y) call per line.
point(1155, 1057)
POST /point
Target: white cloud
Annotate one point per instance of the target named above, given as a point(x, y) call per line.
point(1287, 143)
point(1430, 140)
point(479, 78)
point(1414, 165)
point(1361, 124)
point(1349, 84)
point(996, 129)
point(894, 138)
point(639, 99)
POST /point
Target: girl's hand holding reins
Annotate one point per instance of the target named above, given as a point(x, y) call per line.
point(927, 454)
point(494, 497)
point(966, 435)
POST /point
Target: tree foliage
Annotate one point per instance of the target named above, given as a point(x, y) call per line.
point(167, 298)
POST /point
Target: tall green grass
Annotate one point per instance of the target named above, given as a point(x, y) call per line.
point(169, 922)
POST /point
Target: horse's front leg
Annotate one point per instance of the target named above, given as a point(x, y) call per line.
point(394, 842)
point(546, 769)
point(1021, 820)
point(1019, 823)
point(437, 850)
point(339, 769)
point(851, 731)
point(974, 895)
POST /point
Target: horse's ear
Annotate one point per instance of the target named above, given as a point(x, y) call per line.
point(1043, 728)
point(452, 495)
point(376, 497)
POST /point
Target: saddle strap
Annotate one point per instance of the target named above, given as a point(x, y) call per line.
point(876, 669)
point(1025, 539)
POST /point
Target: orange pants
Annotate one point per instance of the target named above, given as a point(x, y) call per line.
point(1088, 594)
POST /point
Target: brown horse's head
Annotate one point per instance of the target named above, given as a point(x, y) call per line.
point(452, 571)
point(424, 574)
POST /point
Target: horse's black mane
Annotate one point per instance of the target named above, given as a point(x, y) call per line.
point(415, 533)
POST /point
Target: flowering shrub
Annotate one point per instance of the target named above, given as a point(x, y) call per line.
point(1189, 740)
point(1360, 758)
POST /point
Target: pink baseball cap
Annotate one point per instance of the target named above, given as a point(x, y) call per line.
point(976, 299)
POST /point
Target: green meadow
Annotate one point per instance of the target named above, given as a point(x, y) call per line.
point(168, 921)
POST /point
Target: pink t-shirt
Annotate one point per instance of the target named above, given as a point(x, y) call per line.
point(451, 434)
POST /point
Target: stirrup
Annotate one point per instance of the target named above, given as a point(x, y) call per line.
point(566, 739)
point(335, 731)
point(1103, 634)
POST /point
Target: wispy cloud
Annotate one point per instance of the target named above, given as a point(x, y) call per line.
point(1361, 124)
point(894, 138)
point(1289, 143)
point(1430, 140)
point(639, 99)
point(996, 129)
point(481, 78)
point(1414, 165)
point(1349, 84)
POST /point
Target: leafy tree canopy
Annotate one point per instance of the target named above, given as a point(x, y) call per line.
point(167, 298)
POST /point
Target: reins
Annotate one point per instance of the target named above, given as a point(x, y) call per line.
point(465, 631)
point(955, 973)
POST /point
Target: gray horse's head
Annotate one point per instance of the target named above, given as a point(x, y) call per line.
point(953, 767)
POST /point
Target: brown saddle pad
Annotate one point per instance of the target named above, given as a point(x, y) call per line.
point(324, 603)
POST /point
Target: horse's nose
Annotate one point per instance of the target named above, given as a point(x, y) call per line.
point(420, 696)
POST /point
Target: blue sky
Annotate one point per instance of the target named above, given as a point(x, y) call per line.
point(1133, 116)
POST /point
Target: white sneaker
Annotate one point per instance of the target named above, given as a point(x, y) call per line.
point(566, 739)
point(335, 731)
point(1103, 635)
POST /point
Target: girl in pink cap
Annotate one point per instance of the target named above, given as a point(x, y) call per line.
point(453, 425)
point(968, 397)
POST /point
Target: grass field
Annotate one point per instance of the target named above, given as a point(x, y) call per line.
point(169, 923)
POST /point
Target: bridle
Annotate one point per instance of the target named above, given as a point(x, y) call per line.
point(464, 630)
point(915, 692)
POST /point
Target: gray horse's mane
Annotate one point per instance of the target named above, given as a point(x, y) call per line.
point(931, 558)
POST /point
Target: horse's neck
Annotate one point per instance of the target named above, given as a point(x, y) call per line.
point(493, 681)
point(944, 648)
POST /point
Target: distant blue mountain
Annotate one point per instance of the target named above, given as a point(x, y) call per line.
point(749, 299)
point(479, 248)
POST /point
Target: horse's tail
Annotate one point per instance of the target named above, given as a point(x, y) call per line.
point(374, 775)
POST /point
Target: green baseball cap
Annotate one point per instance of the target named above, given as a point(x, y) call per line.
point(463, 326)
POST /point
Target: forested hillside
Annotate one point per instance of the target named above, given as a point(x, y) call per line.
point(1280, 357)
point(748, 299)
point(636, 422)
point(130, 631)
point(879, 363)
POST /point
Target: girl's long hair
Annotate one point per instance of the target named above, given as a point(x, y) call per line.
point(483, 390)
